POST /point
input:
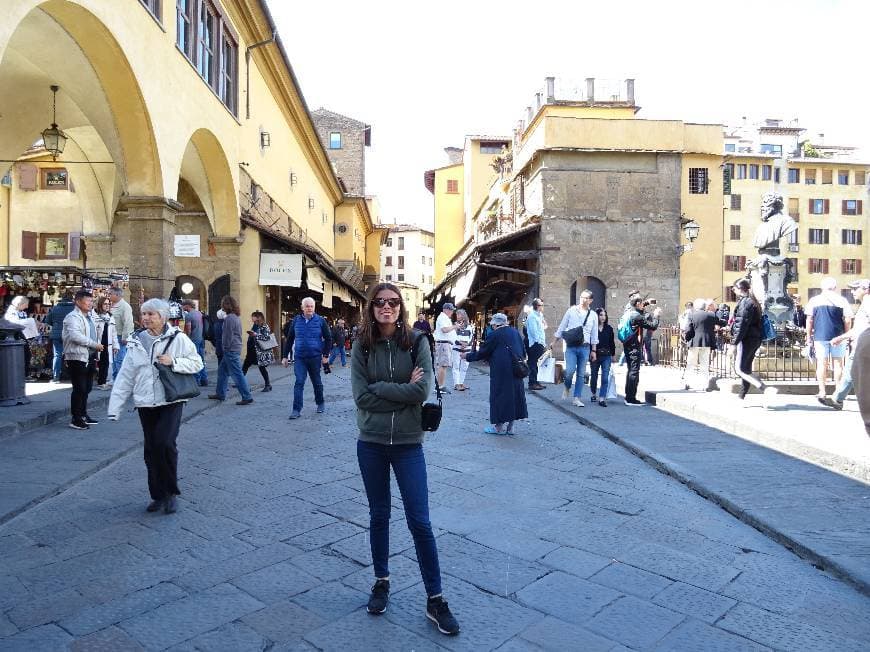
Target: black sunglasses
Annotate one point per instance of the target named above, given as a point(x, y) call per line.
point(380, 302)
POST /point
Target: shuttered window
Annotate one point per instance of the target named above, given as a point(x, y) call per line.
point(29, 245)
point(820, 206)
point(28, 176)
point(735, 202)
point(851, 266)
point(852, 207)
point(818, 265)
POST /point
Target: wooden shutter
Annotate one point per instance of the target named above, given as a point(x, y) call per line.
point(860, 209)
point(825, 266)
point(27, 176)
point(843, 208)
point(29, 244)
point(811, 206)
point(858, 266)
point(75, 245)
point(827, 206)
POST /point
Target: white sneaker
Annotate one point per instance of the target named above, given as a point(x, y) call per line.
point(566, 393)
point(769, 393)
point(577, 403)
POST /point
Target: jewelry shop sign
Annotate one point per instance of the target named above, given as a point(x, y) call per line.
point(281, 269)
point(187, 246)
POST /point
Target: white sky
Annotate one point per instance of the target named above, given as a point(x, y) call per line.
point(424, 74)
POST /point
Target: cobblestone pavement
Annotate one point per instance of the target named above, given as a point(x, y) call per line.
point(552, 539)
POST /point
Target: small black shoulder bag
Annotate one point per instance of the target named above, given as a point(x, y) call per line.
point(430, 413)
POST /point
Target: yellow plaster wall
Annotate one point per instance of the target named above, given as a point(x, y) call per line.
point(250, 294)
point(4, 225)
point(478, 176)
point(698, 268)
point(449, 218)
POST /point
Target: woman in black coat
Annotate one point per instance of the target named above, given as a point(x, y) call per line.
point(507, 395)
point(746, 335)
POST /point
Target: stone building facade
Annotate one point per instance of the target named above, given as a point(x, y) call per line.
point(345, 141)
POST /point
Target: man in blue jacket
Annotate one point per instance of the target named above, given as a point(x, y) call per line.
point(308, 348)
point(55, 319)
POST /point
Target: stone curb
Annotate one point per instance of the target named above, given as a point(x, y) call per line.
point(190, 412)
point(667, 467)
point(12, 428)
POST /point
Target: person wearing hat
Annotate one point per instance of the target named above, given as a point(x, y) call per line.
point(535, 325)
point(861, 293)
point(445, 339)
point(507, 397)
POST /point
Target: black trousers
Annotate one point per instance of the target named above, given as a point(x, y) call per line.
point(535, 352)
point(160, 426)
point(633, 358)
point(250, 361)
point(103, 368)
point(81, 376)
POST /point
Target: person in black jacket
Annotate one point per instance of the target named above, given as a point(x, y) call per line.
point(746, 334)
point(701, 338)
point(639, 321)
point(604, 351)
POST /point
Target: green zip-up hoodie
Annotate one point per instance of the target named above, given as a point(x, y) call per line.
point(388, 405)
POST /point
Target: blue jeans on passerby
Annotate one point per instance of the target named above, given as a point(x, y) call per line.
point(57, 362)
point(201, 376)
point(602, 363)
point(576, 358)
point(303, 367)
point(409, 467)
point(846, 384)
point(118, 360)
point(338, 350)
point(231, 365)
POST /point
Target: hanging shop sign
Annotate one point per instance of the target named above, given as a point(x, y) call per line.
point(187, 246)
point(315, 279)
point(281, 269)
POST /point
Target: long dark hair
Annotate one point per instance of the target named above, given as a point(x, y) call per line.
point(745, 285)
point(368, 332)
point(606, 316)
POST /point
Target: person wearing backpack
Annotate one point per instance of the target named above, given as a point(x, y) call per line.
point(579, 330)
point(630, 332)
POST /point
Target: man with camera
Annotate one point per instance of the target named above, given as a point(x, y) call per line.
point(639, 322)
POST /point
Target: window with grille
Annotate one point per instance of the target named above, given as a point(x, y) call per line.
point(735, 202)
point(735, 231)
point(794, 175)
point(766, 172)
point(852, 207)
point(753, 171)
point(843, 177)
point(818, 236)
point(827, 176)
point(452, 186)
point(852, 236)
point(401, 278)
point(699, 181)
point(735, 263)
point(860, 177)
point(401, 242)
point(401, 262)
point(817, 265)
point(810, 177)
point(820, 206)
point(851, 266)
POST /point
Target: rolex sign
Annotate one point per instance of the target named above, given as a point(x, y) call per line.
point(281, 269)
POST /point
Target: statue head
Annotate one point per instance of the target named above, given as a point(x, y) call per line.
point(771, 204)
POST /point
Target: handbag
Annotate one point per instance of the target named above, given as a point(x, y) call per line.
point(267, 345)
point(430, 413)
point(176, 386)
point(576, 336)
point(519, 367)
point(767, 331)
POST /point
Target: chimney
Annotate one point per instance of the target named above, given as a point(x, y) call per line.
point(529, 114)
point(590, 89)
point(538, 100)
point(521, 126)
point(629, 91)
point(551, 89)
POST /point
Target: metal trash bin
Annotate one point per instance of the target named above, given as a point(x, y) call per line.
point(13, 388)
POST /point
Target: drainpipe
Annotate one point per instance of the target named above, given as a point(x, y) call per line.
point(248, 71)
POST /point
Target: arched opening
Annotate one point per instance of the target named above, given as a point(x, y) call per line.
point(217, 290)
point(595, 286)
point(205, 168)
point(60, 42)
point(190, 287)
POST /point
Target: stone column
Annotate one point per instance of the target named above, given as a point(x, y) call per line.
point(144, 230)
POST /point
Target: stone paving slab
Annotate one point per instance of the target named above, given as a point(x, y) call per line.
point(609, 555)
point(789, 496)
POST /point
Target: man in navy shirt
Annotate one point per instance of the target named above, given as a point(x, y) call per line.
point(308, 348)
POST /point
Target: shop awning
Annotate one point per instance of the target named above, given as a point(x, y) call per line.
point(284, 270)
point(327, 294)
point(315, 278)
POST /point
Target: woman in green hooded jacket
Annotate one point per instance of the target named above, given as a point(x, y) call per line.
point(391, 376)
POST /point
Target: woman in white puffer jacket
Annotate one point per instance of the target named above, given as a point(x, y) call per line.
point(157, 343)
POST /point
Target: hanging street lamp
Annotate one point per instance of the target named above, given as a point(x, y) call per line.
point(53, 139)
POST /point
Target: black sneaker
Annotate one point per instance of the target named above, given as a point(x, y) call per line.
point(439, 613)
point(79, 424)
point(91, 421)
point(379, 598)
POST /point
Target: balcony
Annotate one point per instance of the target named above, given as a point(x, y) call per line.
point(793, 247)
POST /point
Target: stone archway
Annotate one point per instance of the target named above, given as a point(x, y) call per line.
point(205, 167)
point(595, 286)
point(190, 287)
